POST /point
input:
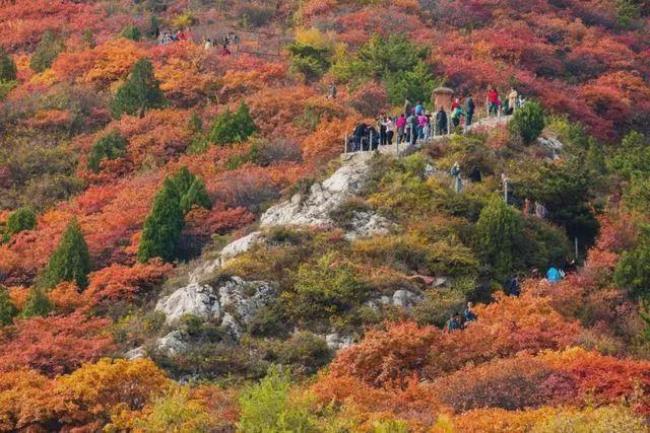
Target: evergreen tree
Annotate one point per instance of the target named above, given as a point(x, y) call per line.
point(499, 237)
point(21, 219)
point(633, 270)
point(528, 122)
point(233, 127)
point(110, 146)
point(139, 93)
point(70, 261)
point(131, 32)
point(7, 67)
point(38, 303)
point(47, 50)
point(7, 309)
point(163, 226)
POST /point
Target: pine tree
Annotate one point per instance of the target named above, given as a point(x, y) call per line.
point(7, 309)
point(110, 146)
point(163, 226)
point(499, 236)
point(47, 51)
point(528, 122)
point(233, 127)
point(38, 304)
point(7, 67)
point(139, 93)
point(131, 32)
point(21, 219)
point(70, 261)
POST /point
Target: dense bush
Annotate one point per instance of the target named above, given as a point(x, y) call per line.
point(499, 233)
point(70, 261)
point(633, 270)
point(21, 219)
point(7, 309)
point(234, 127)
point(139, 93)
point(47, 50)
point(110, 146)
point(416, 84)
point(37, 304)
point(308, 60)
point(528, 122)
point(7, 67)
point(252, 15)
point(131, 32)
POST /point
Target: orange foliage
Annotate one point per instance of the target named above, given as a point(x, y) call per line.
point(22, 399)
point(55, 344)
point(328, 140)
point(66, 298)
point(122, 283)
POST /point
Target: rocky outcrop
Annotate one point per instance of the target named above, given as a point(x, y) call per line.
point(367, 224)
point(232, 303)
point(313, 208)
point(198, 300)
point(336, 341)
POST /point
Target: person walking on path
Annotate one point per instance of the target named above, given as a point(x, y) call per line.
point(454, 323)
point(413, 128)
point(331, 91)
point(400, 123)
point(390, 130)
point(469, 315)
point(493, 101)
point(513, 96)
point(456, 115)
point(441, 121)
point(469, 110)
point(382, 129)
point(457, 180)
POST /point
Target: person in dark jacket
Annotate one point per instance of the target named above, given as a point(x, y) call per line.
point(469, 110)
point(454, 323)
point(441, 122)
point(469, 315)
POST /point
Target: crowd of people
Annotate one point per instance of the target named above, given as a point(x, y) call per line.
point(415, 123)
point(459, 321)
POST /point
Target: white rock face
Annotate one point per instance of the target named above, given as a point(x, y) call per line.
point(336, 342)
point(367, 224)
point(136, 353)
point(405, 299)
point(245, 298)
point(314, 208)
point(240, 246)
point(196, 299)
point(172, 343)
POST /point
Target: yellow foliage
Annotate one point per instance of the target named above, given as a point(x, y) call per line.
point(314, 38)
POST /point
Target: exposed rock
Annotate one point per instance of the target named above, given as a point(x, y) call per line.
point(314, 208)
point(199, 300)
point(367, 224)
point(232, 326)
point(240, 246)
point(335, 341)
point(245, 298)
point(405, 299)
point(136, 353)
point(440, 282)
point(172, 343)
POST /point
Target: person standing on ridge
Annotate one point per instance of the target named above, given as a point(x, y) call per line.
point(493, 101)
point(469, 110)
point(441, 121)
point(513, 96)
point(401, 128)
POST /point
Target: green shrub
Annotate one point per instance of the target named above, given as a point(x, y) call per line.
point(528, 122)
point(7, 67)
point(632, 157)
point(70, 261)
point(391, 426)
point(233, 127)
point(267, 407)
point(110, 146)
point(21, 219)
point(500, 237)
point(325, 289)
point(47, 50)
point(310, 61)
point(38, 303)
point(7, 309)
point(438, 305)
point(416, 84)
point(131, 32)
point(164, 224)
point(633, 269)
point(176, 411)
point(139, 93)
point(304, 350)
point(6, 87)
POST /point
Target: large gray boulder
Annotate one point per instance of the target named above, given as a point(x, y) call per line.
point(313, 208)
point(172, 343)
point(196, 299)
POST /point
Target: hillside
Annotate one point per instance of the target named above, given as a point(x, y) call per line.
point(191, 242)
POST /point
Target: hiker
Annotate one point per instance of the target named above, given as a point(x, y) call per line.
point(469, 315)
point(455, 103)
point(382, 129)
point(475, 174)
point(512, 100)
point(331, 91)
point(454, 323)
point(457, 180)
point(456, 115)
point(493, 101)
point(390, 130)
point(207, 46)
point(540, 210)
point(469, 110)
point(422, 125)
point(426, 130)
point(419, 109)
point(224, 51)
point(512, 287)
point(527, 208)
point(441, 121)
point(407, 107)
point(413, 125)
point(554, 275)
point(400, 123)
point(358, 136)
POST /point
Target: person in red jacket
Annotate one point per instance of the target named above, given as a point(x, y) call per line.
point(400, 123)
point(493, 101)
